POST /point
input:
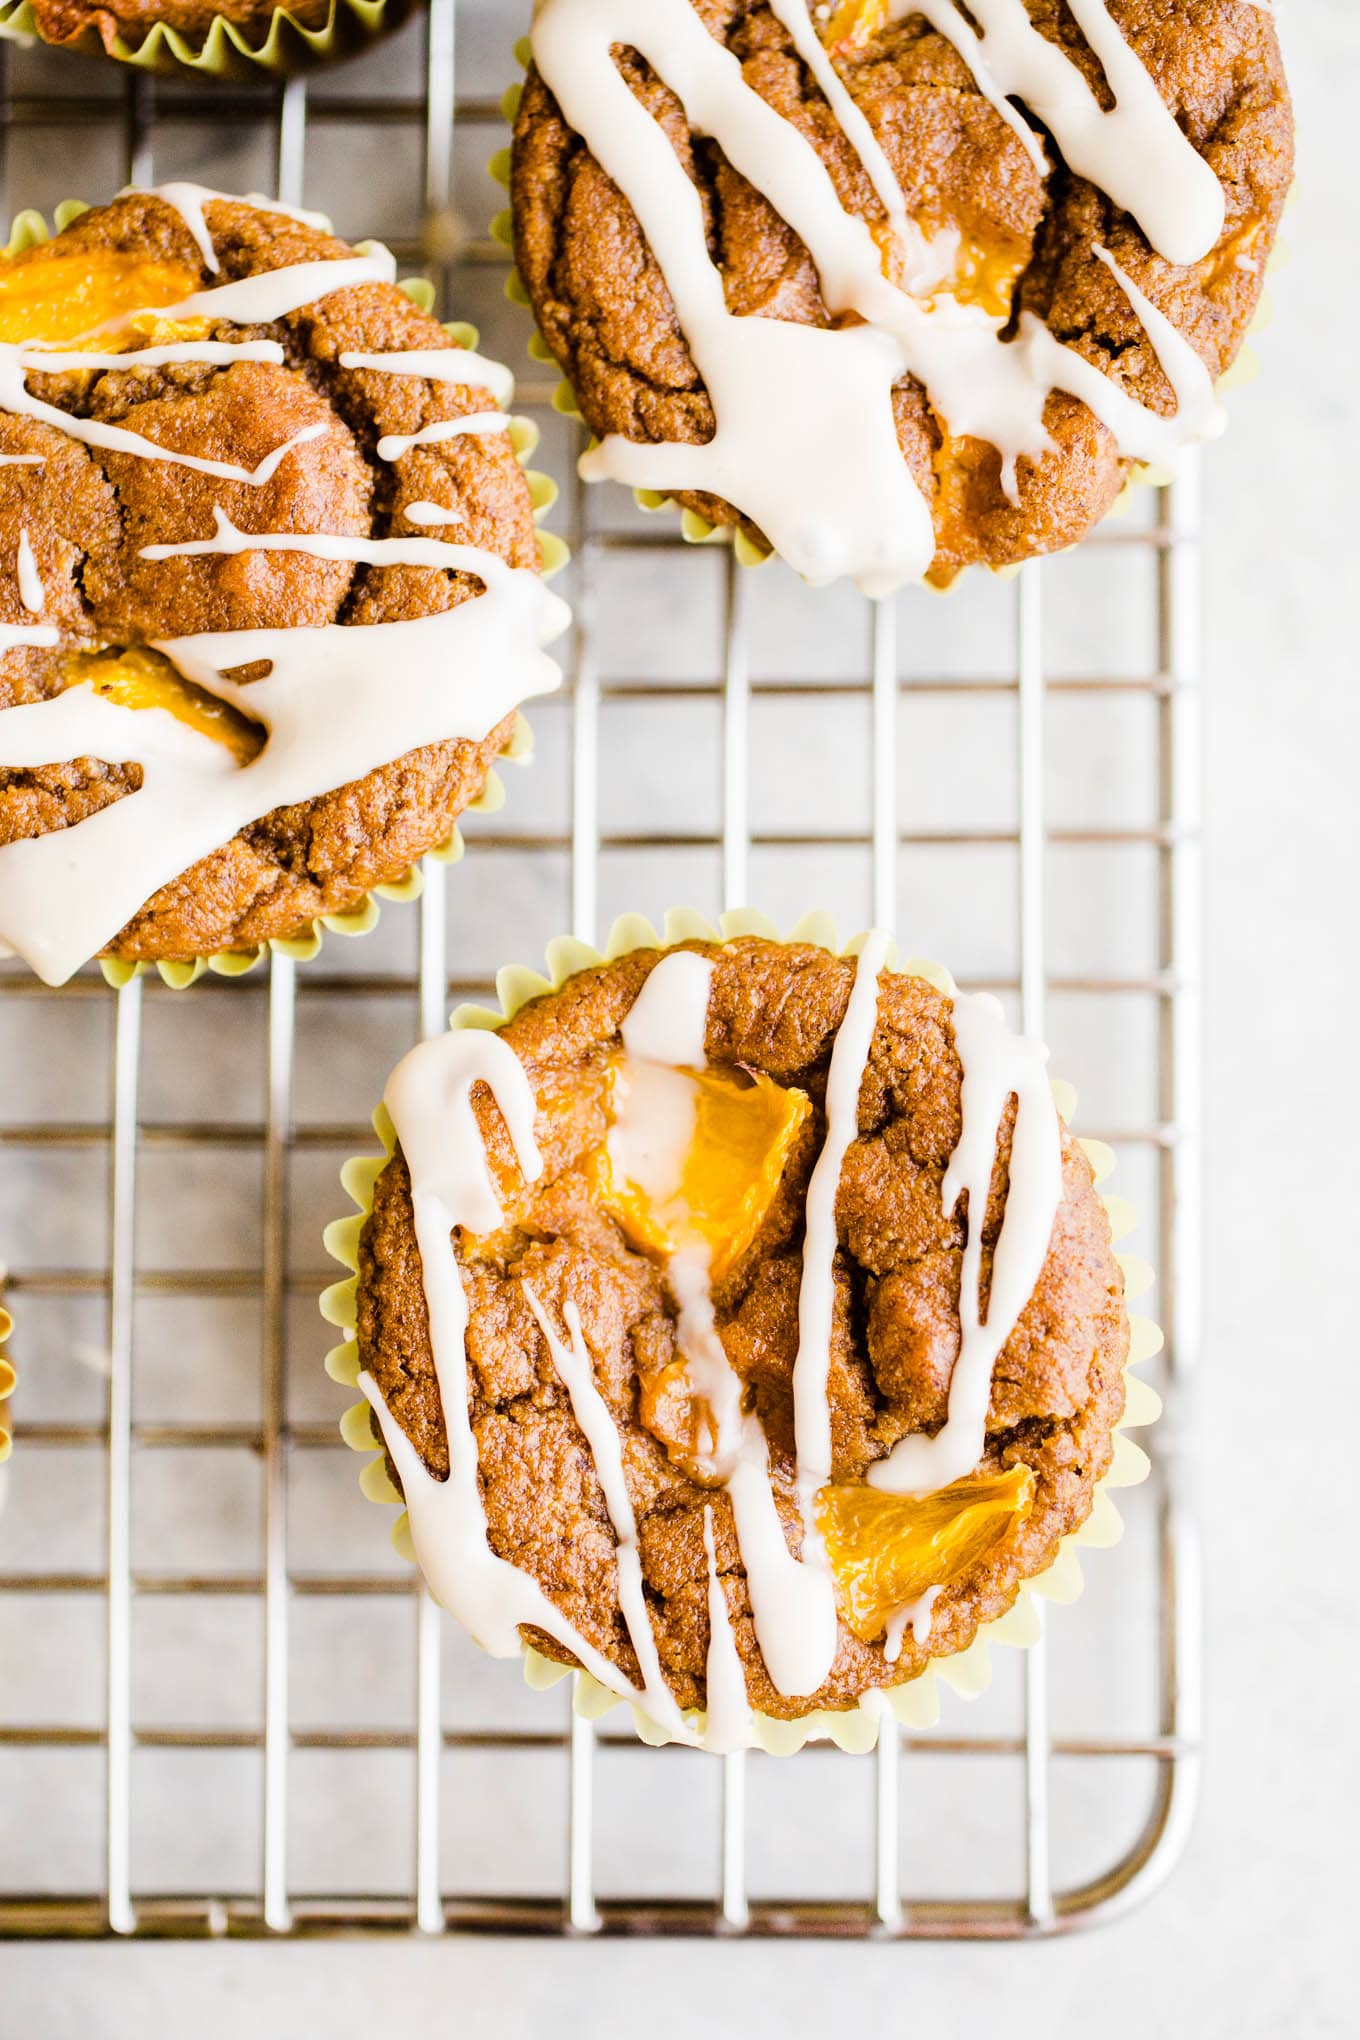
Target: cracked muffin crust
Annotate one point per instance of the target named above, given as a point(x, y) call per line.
point(84, 516)
point(774, 1015)
point(1027, 244)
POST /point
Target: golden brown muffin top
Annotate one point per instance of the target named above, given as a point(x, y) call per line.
point(773, 1015)
point(605, 307)
point(89, 513)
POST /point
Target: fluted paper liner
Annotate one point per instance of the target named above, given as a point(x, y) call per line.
point(697, 530)
point(916, 1702)
point(223, 49)
point(29, 229)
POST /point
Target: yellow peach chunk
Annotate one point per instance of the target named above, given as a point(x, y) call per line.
point(854, 22)
point(888, 1550)
point(52, 297)
point(744, 1131)
point(141, 678)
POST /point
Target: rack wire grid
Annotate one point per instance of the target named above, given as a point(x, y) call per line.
point(225, 1707)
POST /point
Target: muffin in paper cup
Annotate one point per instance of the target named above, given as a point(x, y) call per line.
point(8, 1379)
point(30, 230)
point(1242, 253)
point(239, 42)
point(853, 1725)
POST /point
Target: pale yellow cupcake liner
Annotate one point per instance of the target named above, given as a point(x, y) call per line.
point(7, 1382)
point(916, 1703)
point(224, 49)
point(29, 230)
point(696, 529)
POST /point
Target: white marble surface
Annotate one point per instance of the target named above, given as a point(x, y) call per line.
point(1255, 1934)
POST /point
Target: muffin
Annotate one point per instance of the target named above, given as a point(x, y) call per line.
point(219, 37)
point(888, 296)
point(684, 1354)
point(7, 1382)
point(270, 589)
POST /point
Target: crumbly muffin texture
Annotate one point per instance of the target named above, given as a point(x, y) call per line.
point(1057, 1391)
point(89, 513)
point(603, 305)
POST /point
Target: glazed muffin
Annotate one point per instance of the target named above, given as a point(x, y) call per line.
point(270, 586)
point(7, 1380)
point(281, 37)
point(890, 298)
point(741, 1323)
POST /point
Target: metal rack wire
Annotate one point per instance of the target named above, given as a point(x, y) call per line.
point(123, 1898)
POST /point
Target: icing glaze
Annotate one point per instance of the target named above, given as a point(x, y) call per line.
point(441, 364)
point(1134, 151)
point(915, 1616)
point(30, 583)
point(805, 441)
point(23, 460)
point(188, 200)
point(997, 1064)
point(325, 545)
point(429, 1098)
point(480, 423)
point(817, 1289)
point(727, 1725)
point(668, 1020)
point(433, 513)
point(601, 1435)
point(16, 399)
point(274, 293)
point(13, 635)
point(212, 353)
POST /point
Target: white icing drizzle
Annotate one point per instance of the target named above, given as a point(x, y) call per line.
point(601, 1435)
point(996, 1065)
point(15, 398)
point(805, 440)
point(433, 513)
point(441, 364)
point(727, 1724)
point(14, 635)
point(817, 1290)
point(855, 127)
point(386, 689)
point(429, 1097)
point(916, 1616)
point(1134, 151)
point(668, 1020)
point(653, 1127)
point(274, 293)
point(713, 1380)
point(477, 425)
point(30, 583)
point(793, 1604)
point(188, 200)
point(322, 545)
point(212, 353)
point(23, 460)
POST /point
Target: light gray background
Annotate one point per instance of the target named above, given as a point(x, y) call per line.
point(1256, 1932)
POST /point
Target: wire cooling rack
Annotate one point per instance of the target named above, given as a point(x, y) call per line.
point(224, 1706)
